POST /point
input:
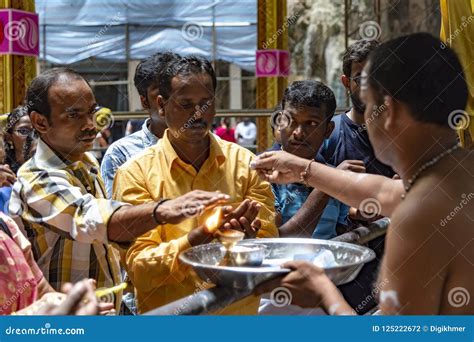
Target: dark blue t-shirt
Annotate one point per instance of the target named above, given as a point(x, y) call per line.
point(350, 141)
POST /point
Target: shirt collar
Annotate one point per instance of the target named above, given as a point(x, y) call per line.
point(215, 152)
point(149, 138)
point(46, 158)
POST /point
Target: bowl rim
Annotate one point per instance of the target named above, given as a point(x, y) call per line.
point(367, 255)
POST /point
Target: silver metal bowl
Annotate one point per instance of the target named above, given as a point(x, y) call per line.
point(251, 255)
point(204, 260)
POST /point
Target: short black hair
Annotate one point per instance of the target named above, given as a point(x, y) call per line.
point(147, 71)
point(357, 52)
point(185, 66)
point(310, 93)
point(421, 72)
point(36, 98)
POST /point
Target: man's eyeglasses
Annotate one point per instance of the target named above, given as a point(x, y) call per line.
point(356, 79)
point(25, 132)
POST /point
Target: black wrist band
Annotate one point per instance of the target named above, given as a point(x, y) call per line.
point(160, 202)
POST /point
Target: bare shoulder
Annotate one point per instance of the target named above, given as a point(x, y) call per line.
point(441, 198)
point(431, 237)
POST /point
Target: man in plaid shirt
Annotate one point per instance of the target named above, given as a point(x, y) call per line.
point(59, 198)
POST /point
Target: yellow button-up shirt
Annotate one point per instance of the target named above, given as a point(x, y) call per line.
point(152, 261)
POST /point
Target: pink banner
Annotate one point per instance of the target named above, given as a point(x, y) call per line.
point(19, 33)
point(272, 63)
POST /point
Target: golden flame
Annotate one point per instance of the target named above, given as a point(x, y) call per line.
point(214, 220)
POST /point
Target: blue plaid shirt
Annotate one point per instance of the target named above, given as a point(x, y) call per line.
point(122, 150)
point(289, 198)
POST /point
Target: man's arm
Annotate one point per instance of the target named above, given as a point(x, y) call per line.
point(129, 222)
point(355, 188)
point(52, 200)
point(346, 186)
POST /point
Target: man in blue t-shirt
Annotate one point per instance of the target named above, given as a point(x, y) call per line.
point(349, 139)
point(304, 123)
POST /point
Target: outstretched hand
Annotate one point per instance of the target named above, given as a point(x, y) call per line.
point(279, 167)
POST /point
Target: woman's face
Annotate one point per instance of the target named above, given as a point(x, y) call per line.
point(22, 129)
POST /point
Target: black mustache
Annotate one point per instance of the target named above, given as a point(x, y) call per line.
point(88, 134)
point(302, 142)
point(198, 122)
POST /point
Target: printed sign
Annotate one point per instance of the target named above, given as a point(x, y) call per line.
point(19, 33)
point(272, 63)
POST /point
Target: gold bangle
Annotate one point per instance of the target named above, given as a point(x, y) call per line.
point(305, 174)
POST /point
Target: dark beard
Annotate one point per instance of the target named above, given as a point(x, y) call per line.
point(357, 103)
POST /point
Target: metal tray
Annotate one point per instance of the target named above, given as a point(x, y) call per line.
point(204, 260)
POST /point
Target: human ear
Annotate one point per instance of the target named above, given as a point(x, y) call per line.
point(40, 122)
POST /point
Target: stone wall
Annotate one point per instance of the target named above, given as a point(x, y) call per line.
point(317, 39)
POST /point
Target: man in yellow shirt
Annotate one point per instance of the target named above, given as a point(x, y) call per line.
point(189, 157)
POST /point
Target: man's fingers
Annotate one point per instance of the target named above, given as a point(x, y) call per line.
point(226, 210)
point(245, 224)
point(208, 195)
point(240, 210)
point(235, 224)
point(357, 168)
point(265, 155)
point(255, 210)
point(263, 161)
point(89, 303)
point(93, 282)
point(274, 177)
point(208, 204)
point(294, 264)
point(73, 299)
point(261, 174)
point(252, 211)
point(106, 308)
point(256, 225)
point(268, 286)
point(356, 162)
point(213, 198)
point(66, 287)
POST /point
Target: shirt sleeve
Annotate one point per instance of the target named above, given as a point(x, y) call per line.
point(343, 214)
point(110, 163)
point(149, 254)
point(260, 191)
point(51, 199)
